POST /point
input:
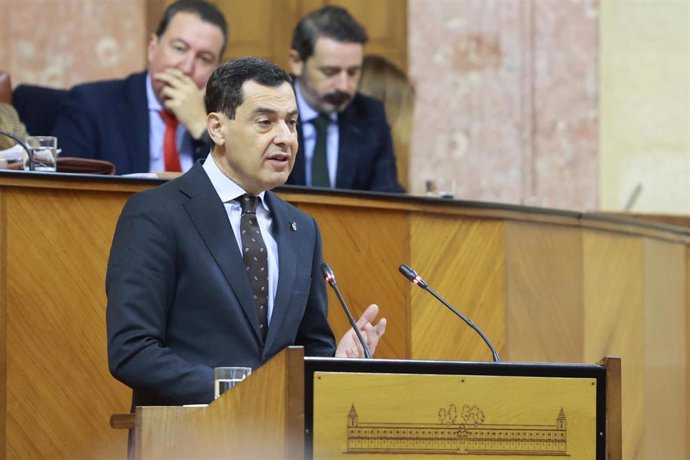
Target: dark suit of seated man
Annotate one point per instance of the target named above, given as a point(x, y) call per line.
point(344, 137)
point(185, 293)
point(155, 120)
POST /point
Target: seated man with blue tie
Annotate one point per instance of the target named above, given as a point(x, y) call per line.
point(345, 141)
point(153, 120)
point(213, 269)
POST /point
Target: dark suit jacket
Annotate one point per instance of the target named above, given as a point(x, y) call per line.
point(365, 151)
point(180, 304)
point(38, 107)
point(109, 120)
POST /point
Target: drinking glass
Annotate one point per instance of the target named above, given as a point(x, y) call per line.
point(440, 188)
point(45, 152)
point(227, 377)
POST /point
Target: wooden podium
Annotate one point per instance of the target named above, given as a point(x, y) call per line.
point(296, 408)
point(546, 285)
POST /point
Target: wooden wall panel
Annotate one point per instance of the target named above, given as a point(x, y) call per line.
point(462, 260)
point(3, 325)
point(665, 395)
point(154, 13)
point(681, 221)
point(364, 247)
point(544, 293)
point(544, 285)
point(260, 28)
point(264, 27)
point(614, 320)
point(386, 24)
point(56, 326)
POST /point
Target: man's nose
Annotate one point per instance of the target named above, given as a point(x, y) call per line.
point(344, 82)
point(186, 64)
point(283, 134)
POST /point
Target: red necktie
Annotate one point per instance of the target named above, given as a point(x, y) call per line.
point(171, 156)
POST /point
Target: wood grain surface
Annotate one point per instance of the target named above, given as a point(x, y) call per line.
point(544, 285)
point(261, 417)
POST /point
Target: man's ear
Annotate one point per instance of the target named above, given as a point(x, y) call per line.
point(296, 63)
point(214, 126)
point(152, 46)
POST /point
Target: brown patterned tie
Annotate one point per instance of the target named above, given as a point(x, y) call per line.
point(255, 258)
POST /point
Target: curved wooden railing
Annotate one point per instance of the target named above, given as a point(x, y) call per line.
point(544, 285)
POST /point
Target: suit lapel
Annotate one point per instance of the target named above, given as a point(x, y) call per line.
point(208, 214)
point(133, 116)
point(287, 265)
point(350, 135)
point(298, 174)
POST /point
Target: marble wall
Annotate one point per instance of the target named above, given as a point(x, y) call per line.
point(644, 147)
point(509, 91)
point(507, 99)
point(59, 43)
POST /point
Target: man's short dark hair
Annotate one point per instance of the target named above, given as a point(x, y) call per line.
point(206, 11)
point(330, 21)
point(224, 88)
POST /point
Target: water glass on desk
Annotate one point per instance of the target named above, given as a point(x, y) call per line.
point(225, 378)
point(45, 152)
point(440, 188)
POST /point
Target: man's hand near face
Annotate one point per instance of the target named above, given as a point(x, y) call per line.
point(182, 97)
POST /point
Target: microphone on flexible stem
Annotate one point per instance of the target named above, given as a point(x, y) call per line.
point(409, 273)
point(23, 145)
point(329, 277)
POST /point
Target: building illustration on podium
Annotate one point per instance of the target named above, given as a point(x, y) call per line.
point(457, 433)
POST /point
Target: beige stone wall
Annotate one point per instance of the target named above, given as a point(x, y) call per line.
point(561, 103)
point(645, 105)
point(507, 102)
point(63, 42)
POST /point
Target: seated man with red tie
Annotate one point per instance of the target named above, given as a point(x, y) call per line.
point(154, 120)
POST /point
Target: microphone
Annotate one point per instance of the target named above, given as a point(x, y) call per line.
point(23, 145)
point(409, 273)
point(329, 277)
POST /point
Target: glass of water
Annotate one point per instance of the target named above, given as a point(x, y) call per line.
point(440, 188)
point(227, 377)
point(45, 152)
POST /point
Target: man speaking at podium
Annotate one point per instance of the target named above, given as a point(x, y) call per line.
point(213, 269)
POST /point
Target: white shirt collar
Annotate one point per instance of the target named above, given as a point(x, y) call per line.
point(151, 99)
point(225, 187)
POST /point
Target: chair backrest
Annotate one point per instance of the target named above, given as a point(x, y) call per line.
point(5, 88)
point(38, 107)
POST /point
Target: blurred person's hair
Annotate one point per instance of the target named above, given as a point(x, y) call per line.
point(206, 11)
point(332, 22)
point(383, 80)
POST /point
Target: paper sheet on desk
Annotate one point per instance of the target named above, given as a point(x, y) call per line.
point(153, 175)
point(148, 175)
point(13, 153)
point(12, 158)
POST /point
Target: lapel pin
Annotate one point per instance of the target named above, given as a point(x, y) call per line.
point(293, 226)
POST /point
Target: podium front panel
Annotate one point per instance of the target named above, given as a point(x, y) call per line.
point(387, 409)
